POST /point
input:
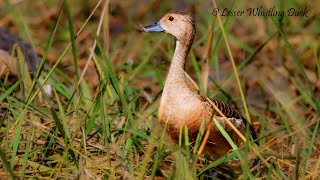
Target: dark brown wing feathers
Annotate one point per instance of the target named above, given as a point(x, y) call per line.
point(227, 110)
point(231, 112)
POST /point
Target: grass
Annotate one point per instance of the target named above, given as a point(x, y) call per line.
point(103, 123)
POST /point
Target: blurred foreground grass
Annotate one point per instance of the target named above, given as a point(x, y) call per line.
point(105, 125)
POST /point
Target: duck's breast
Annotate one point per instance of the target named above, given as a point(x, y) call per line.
point(178, 111)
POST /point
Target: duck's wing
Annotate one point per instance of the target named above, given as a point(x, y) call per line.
point(231, 112)
point(227, 110)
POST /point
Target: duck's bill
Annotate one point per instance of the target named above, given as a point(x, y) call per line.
point(156, 27)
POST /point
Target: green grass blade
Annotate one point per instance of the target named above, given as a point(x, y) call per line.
point(145, 61)
point(26, 154)
point(6, 165)
point(220, 161)
point(17, 136)
point(9, 91)
point(298, 64)
point(43, 60)
point(254, 53)
point(158, 152)
point(186, 141)
point(115, 83)
point(198, 72)
point(312, 145)
point(62, 116)
point(199, 137)
point(235, 148)
point(72, 37)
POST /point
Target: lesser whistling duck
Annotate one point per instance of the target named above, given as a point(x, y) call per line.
point(180, 105)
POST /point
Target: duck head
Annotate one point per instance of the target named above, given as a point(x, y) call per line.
point(180, 24)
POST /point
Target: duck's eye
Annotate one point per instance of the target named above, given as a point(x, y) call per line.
point(171, 18)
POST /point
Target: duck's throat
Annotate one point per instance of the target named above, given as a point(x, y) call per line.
point(176, 76)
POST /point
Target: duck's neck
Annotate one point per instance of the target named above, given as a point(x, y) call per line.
point(177, 97)
point(176, 76)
